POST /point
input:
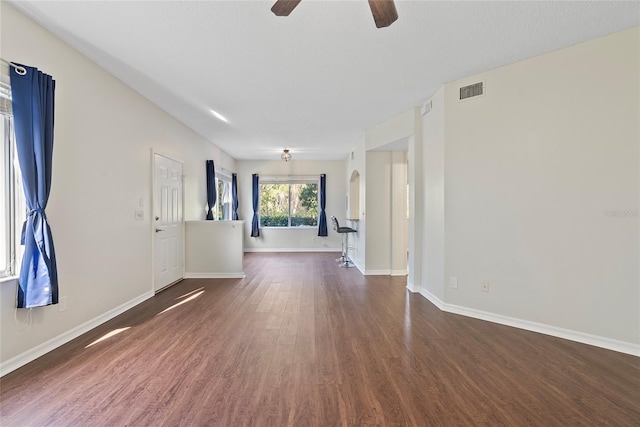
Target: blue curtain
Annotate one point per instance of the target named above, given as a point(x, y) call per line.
point(234, 197)
point(211, 189)
point(322, 221)
point(255, 194)
point(33, 108)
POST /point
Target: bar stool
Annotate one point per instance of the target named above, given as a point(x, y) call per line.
point(344, 259)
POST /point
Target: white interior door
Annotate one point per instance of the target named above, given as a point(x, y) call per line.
point(168, 222)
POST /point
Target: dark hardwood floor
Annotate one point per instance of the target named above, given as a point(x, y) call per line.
point(302, 342)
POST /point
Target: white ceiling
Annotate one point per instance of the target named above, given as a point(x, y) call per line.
point(313, 81)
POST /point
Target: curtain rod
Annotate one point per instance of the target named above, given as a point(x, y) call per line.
point(19, 69)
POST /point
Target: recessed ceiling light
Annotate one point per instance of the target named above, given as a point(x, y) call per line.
point(219, 116)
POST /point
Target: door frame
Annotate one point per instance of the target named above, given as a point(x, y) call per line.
point(152, 227)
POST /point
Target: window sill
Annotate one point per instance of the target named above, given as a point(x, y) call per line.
point(302, 227)
point(8, 279)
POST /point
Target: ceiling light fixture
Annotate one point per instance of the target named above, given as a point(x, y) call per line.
point(286, 155)
point(219, 116)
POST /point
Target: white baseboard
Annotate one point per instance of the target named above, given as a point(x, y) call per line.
point(377, 272)
point(434, 299)
point(554, 331)
point(385, 272)
point(239, 275)
point(292, 249)
point(358, 266)
point(411, 287)
point(44, 348)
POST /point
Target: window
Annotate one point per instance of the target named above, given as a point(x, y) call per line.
point(288, 204)
point(12, 203)
point(223, 197)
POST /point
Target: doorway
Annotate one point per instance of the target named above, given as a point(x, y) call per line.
point(168, 223)
point(387, 212)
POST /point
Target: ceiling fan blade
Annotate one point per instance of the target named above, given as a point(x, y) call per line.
point(284, 7)
point(384, 12)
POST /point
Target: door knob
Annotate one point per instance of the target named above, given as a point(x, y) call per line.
point(159, 230)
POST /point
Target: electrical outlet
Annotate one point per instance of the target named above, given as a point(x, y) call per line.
point(453, 282)
point(485, 286)
point(62, 304)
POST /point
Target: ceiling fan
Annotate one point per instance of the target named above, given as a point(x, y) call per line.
point(383, 11)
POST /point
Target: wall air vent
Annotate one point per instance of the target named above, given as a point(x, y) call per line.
point(476, 89)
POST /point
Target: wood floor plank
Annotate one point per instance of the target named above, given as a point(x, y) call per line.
point(302, 342)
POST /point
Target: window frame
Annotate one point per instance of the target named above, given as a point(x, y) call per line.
point(218, 208)
point(289, 181)
point(12, 192)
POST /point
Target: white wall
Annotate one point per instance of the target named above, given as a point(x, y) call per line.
point(396, 128)
point(416, 197)
point(432, 212)
point(104, 133)
point(399, 222)
point(293, 239)
point(357, 162)
point(378, 208)
point(533, 188)
point(533, 172)
point(386, 204)
point(213, 249)
point(386, 234)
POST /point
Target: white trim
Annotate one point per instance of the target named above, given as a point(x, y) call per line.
point(44, 348)
point(411, 287)
point(289, 179)
point(358, 266)
point(8, 279)
point(581, 337)
point(239, 275)
point(434, 299)
point(377, 272)
point(383, 272)
point(224, 175)
point(297, 227)
point(216, 221)
point(152, 222)
point(168, 286)
point(554, 331)
point(292, 249)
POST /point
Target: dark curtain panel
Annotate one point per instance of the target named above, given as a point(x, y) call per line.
point(211, 189)
point(322, 221)
point(255, 194)
point(33, 111)
point(234, 197)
